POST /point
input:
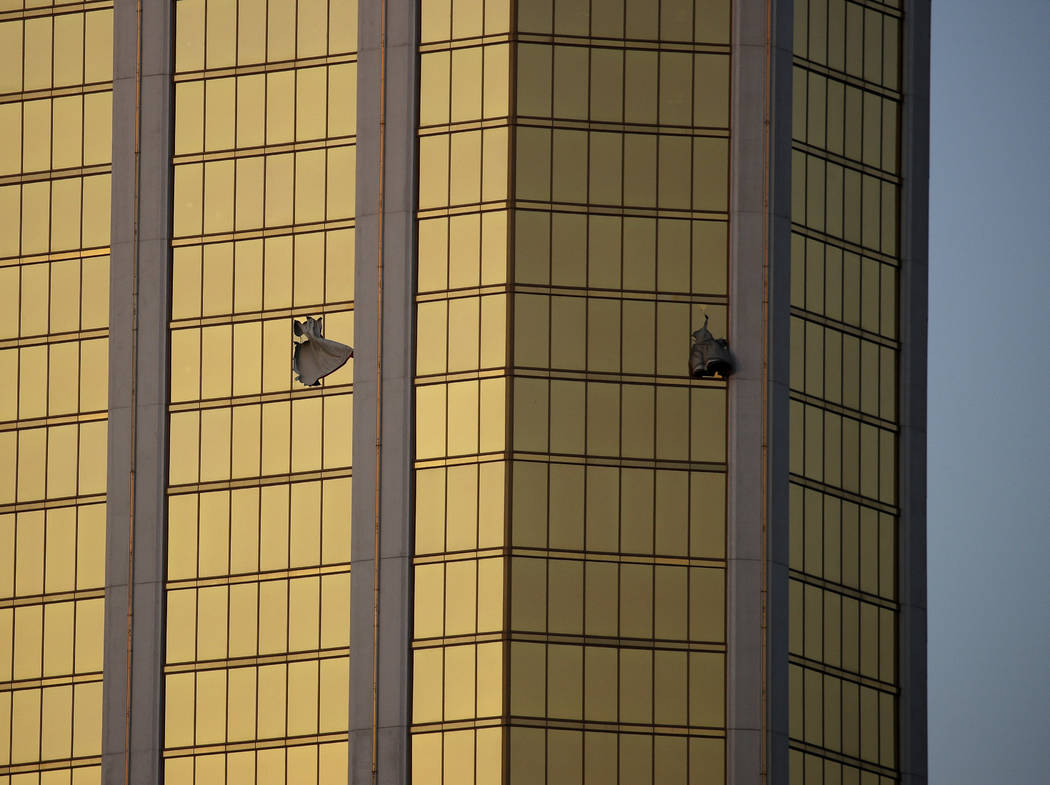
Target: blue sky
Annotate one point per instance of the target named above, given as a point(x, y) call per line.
point(989, 376)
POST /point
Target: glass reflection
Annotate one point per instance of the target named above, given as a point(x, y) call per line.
point(844, 350)
point(618, 463)
point(259, 653)
point(54, 277)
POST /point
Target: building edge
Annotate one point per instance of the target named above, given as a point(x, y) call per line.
point(140, 240)
point(914, 313)
point(778, 384)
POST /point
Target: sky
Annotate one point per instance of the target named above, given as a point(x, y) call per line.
point(989, 377)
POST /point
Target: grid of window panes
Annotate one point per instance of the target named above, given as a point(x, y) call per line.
point(573, 573)
point(55, 161)
point(257, 644)
point(461, 392)
point(55, 155)
point(844, 351)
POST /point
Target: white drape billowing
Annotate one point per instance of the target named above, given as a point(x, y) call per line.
point(316, 356)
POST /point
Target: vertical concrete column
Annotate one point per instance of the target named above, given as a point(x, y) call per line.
point(384, 283)
point(914, 313)
point(132, 722)
point(778, 386)
point(759, 308)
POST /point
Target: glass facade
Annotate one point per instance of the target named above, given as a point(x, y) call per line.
point(570, 479)
point(55, 128)
point(257, 649)
point(569, 561)
point(845, 260)
point(461, 395)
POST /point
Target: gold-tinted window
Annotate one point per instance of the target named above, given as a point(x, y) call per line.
point(844, 423)
point(55, 121)
point(258, 537)
point(462, 315)
point(570, 479)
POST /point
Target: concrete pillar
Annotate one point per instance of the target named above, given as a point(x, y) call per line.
point(914, 313)
point(759, 309)
point(133, 682)
point(384, 284)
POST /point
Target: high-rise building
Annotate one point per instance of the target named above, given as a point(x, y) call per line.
point(513, 540)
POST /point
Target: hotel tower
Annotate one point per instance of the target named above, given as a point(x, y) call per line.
point(513, 541)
